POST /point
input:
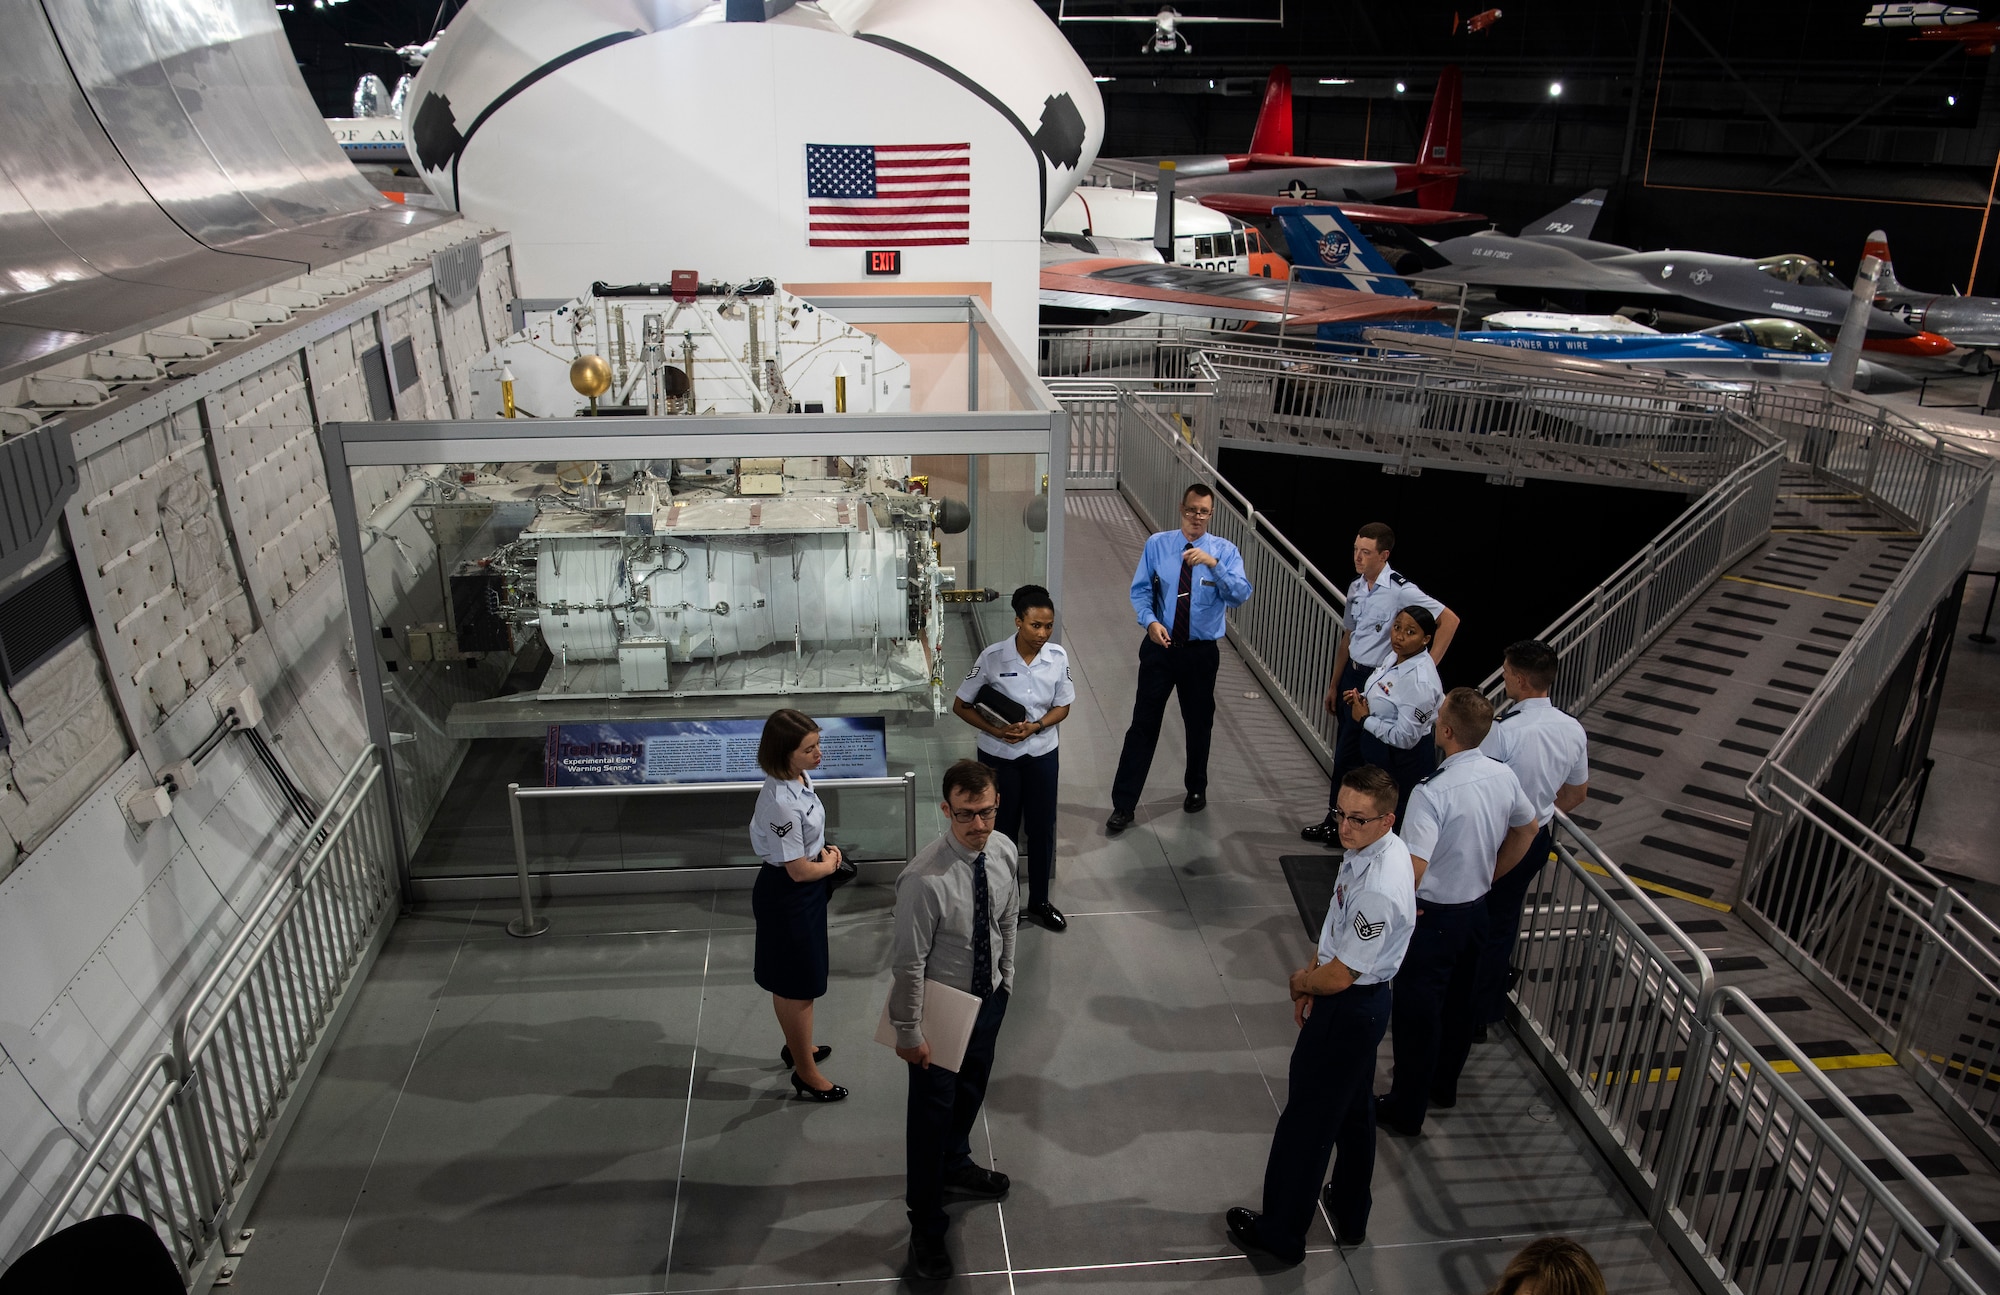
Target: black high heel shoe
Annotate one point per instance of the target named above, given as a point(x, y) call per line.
point(821, 1053)
point(833, 1094)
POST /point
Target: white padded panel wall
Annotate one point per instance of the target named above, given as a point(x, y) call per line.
point(36, 1153)
point(160, 549)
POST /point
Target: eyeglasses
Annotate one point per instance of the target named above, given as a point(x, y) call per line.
point(1356, 820)
point(1199, 514)
point(975, 815)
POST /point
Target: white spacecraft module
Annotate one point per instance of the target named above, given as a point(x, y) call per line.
point(621, 140)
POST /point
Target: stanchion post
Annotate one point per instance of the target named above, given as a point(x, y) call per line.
point(909, 814)
point(1985, 634)
point(527, 924)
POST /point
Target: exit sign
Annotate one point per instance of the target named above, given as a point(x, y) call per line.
point(889, 262)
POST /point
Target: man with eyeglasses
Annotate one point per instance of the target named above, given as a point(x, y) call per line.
point(1186, 583)
point(957, 911)
point(1341, 1003)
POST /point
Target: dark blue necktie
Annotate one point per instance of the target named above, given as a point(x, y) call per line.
point(982, 940)
point(1183, 600)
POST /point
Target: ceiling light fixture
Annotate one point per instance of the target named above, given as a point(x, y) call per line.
point(1399, 87)
point(1555, 89)
point(1336, 80)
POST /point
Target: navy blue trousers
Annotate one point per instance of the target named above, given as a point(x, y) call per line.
point(938, 1124)
point(1188, 668)
point(1434, 1009)
point(1503, 926)
point(1346, 734)
point(1329, 1108)
point(1028, 806)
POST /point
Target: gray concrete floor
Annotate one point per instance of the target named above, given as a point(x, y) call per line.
point(602, 1110)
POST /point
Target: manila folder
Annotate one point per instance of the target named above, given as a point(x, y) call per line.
point(948, 1017)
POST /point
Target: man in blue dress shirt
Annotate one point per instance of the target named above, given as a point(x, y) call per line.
point(1185, 585)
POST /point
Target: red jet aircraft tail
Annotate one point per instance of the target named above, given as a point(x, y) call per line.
point(1443, 139)
point(1273, 135)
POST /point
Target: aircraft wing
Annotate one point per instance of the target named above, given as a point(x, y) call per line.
point(1109, 284)
point(1245, 205)
point(1489, 355)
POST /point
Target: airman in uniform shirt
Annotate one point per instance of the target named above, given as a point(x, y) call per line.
point(1373, 600)
point(1341, 1004)
point(1469, 823)
point(1550, 753)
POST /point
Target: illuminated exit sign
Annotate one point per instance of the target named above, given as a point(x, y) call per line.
point(889, 262)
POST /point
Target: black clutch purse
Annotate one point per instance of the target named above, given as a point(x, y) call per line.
point(1009, 710)
point(843, 873)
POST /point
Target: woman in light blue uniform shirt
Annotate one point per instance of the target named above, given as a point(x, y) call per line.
point(788, 832)
point(1398, 705)
point(1034, 673)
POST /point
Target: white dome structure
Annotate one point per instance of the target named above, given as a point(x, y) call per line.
point(620, 140)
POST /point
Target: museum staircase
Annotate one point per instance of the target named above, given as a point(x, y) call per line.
point(1674, 742)
point(1823, 999)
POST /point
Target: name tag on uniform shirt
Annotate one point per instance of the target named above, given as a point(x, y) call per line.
point(1009, 674)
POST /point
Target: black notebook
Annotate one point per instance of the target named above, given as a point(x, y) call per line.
point(992, 699)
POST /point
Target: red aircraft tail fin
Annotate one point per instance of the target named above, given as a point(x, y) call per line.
point(1443, 140)
point(1274, 120)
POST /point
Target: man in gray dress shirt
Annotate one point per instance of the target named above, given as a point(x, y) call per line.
point(956, 913)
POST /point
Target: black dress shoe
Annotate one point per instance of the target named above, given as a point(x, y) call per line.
point(1341, 1236)
point(1196, 802)
point(1324, 832)
point(821, 1053)
point(1383, 1120)
point(1443, 1103)
point(928, 1258)
point(806, 1090)
point(1048, 915)
point(1120, 820)
point(980, 1184)
point(1479, 1033)
point(1242, 1225)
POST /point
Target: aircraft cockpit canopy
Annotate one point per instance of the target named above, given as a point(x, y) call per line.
point(1802, 270)
point(1773, 335)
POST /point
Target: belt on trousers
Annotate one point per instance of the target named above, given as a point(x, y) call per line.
point(1366, 991)
point(1433, 905)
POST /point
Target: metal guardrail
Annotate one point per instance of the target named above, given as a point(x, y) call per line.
point(1763, 1196)
point(1741, 1174)
point(181, 1149)
point(1607, 1006)
point(1288, 633)
point(1609, 628)
point(527, 924)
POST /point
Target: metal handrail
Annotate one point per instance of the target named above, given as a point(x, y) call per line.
point(253, 926)
point(1604, 1005)
point(1719, 1203)
point(244, 1039)
point(1746, 493)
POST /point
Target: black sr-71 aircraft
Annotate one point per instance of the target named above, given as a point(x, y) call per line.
point(1555, 262)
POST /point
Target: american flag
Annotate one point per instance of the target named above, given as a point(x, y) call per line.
point(888, 195)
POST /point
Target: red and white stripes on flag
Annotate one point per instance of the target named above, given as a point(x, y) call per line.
point(888, 195)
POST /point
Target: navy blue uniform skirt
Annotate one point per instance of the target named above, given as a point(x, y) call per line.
point(791, 933)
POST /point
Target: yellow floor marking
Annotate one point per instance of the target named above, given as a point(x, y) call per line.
point(1652, 887)
point(1859, 1061)
point(1794, 589)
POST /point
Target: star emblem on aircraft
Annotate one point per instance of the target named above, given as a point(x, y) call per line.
point(1298, 189)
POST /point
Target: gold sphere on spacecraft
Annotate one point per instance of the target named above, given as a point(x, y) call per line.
point(590, 375)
